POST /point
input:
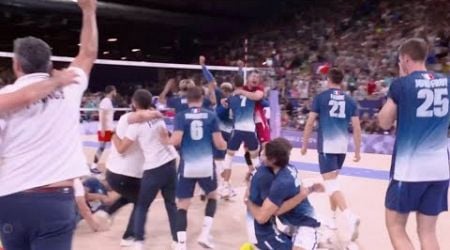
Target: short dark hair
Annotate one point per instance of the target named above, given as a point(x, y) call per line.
point(109, 89)
point(33, 55)
point(238, 81)
point(416, 48)
point(279, 151)
point(142, 98)
point(194, 94)
point(335, 76)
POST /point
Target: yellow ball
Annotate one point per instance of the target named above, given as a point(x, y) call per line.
point(247, 246)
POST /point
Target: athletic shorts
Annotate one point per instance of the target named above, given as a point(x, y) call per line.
point(106, 138)
point(428, 198)
point(239, 137)
point(330, 162)
point(220, 154)
point(263, 132)
point(186, 186)
point(306, 238)
point(275, 242)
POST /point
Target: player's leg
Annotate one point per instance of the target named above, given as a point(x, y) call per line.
point(233, 145)
point(433, 201)
point(396, 226)
point(209, 186)
point(184, 192)
point(168, 194)
point(306, 238)
point(103, 140)
point(252, 143)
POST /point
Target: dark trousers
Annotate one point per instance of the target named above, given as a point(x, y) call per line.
point(128, 188)
point(163, 178)
point(38, 221)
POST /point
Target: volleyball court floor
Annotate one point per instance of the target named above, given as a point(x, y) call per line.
point(364, 185)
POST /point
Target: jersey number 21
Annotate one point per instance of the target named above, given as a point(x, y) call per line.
point(337, 109)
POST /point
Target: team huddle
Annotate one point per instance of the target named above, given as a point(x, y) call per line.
point(41, 164)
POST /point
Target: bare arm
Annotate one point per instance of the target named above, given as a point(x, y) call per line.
point(121, 145)
point(308, 131)
point(169, 85)
point(34, 92)
point(88, 38)
point(85, 212)
point(303, 194)
point(254, 96)
point(174, 140)
point(219, 142)
point(356, 124)
point(144, 116)
point(387, 115)
point(264, 213)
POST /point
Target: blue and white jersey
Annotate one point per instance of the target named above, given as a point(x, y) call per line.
point(224, 114)
point(335, 110)
point(285, 186)
point(420, 152)
point(243, 112)
point(180, 103)
point(259, 191)
point(197, 125)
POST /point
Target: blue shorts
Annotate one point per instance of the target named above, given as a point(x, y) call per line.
point(239, 137)
point(428, 198)
point(278, 242)
point(186, 186)
point(330, 162)
point(220, 154)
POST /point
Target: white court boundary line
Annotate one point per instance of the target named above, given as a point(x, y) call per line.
point(139, 64)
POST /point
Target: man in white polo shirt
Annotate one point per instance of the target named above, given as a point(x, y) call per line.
point(159, 166)
point(41, 151)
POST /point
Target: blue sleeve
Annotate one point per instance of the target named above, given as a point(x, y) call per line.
point(395, 90)
point(179, 122)
point(222, 112)
point(315, 105)
point(265, 103)
point(277, 193)
point(265, 184)
point(215, 124)
point(207, 74)
point(172, 102)
point(207, 103)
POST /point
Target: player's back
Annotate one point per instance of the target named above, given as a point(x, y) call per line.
point(198, 126)
point(422, 127)
point(180, 103)
point(243, 110)
point(287, 182)
point(335, 110)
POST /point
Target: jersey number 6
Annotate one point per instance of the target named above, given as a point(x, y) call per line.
point(196, 130)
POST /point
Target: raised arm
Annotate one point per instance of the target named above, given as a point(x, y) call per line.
point(167, 88)
point(34, 92)
point(144, 116)
point(254, 96)
point(212, 84)
point(89, 37)
point(308, 131)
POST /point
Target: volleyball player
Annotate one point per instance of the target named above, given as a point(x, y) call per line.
point(419, 102)
point(41, 148)
point(159, 167)
point(334, 111)
point(10, 102)
point(105, 125)
point(197, 132)
point(225, 126)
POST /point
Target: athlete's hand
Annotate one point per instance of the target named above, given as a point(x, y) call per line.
point(357, 157)
point(94, 224)
point(304, 150)
point(88, 5)
point(64, 77)
point(224, 102)
point(318, 188)
point(201, 60)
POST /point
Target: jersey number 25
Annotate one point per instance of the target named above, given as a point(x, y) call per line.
point(435, 104)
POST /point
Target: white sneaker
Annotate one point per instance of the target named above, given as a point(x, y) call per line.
point(354, 228)
point(128, 242)
point(205, 240)
point(179, 246)
point(138, 245)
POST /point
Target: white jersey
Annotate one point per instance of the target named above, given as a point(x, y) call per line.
point(41, 144)
point(106, 112)
point(129, 163)
point(147, 136)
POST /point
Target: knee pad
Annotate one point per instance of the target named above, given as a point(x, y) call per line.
point(331, 186)
point(211, 205)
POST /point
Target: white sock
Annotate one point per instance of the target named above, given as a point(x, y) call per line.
point(181, 237)
point(207, 225)
point(348, 215)
point(251, 228)
point(256, 162)
point(227, 162)
point(219, 166)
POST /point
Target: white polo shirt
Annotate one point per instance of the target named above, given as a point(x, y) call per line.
point(41, 144)
point(129, 163)
point(106, 112)
point(147, 136)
